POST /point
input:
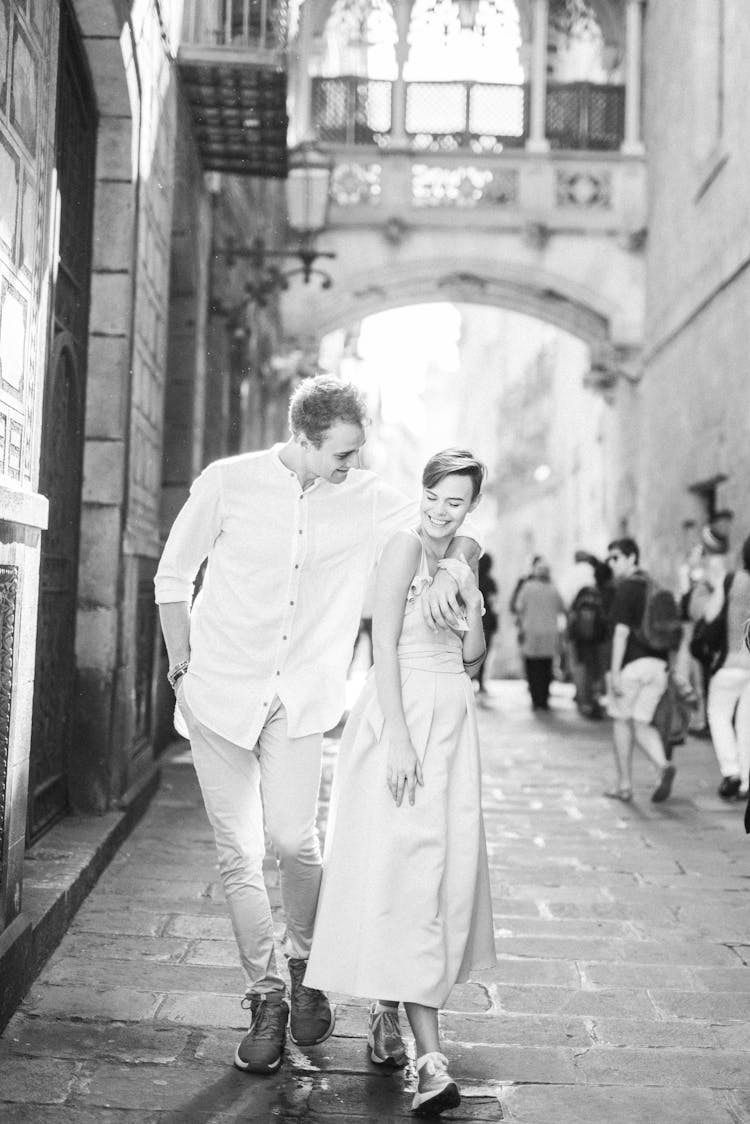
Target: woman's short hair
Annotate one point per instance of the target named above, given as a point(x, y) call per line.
point(454, 462)
point(321, 401)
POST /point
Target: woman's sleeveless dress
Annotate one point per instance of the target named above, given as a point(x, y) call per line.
point(405, 909)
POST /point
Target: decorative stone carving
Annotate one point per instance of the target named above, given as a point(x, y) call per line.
point(466, 185)
point(586, 188)
point(355, 184)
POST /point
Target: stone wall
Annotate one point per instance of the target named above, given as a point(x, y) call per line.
point(695, 391)
point(28, 60)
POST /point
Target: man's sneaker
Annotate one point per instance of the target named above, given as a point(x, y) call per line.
point(384, 1036)
point(729, 788)
point(312, 1018)
point(664, 787)
point(261, 1049)
point(437, 1091)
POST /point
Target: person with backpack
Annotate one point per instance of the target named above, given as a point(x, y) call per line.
point(646, 629)
point(587, 632)
point(729, 687)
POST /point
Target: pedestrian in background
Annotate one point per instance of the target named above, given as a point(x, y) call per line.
point(729, 688)
point(638, 675)
point(541, 618)
point(490, 621)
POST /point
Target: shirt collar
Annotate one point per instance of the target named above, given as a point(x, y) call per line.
point(275, 452)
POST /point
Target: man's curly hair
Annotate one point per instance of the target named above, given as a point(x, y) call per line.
point(321, 401)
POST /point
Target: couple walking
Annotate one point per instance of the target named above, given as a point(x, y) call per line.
point(259, 666)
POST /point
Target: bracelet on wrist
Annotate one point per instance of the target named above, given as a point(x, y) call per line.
point(176, 673)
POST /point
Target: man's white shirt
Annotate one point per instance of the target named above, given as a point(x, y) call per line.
point(282, 594)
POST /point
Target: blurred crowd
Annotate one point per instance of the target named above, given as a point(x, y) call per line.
point(661, 663)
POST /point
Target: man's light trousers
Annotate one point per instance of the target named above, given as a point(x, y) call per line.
point(277, 781)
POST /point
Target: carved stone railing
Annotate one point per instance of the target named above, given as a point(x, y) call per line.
point(540, 193)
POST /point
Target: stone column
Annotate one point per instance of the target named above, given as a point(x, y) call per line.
point(633, 143)
point(537, 141)
point(399, 138)
point(302, 84)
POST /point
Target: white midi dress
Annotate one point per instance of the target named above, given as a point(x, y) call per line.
point(405, 909)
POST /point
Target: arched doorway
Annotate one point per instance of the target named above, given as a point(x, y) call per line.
point(62, 437)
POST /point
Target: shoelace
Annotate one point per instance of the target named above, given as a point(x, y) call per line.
point(260, 1023)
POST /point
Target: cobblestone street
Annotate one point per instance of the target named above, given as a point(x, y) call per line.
point(622, 992)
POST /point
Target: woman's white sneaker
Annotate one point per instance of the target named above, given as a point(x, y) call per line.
point(437, 1091)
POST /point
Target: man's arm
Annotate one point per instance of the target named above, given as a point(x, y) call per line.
point(175, 624)
point(193, 533)
point(619, 643)
point(441, 606)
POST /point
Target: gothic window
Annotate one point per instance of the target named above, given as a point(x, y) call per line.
point(441, 48)
point(360, 40)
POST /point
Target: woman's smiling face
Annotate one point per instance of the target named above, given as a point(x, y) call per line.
point(445, 505)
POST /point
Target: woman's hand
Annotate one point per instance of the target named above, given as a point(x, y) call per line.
point(403, 772)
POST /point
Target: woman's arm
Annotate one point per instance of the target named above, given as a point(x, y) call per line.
point(474, 647)
point(394, 575)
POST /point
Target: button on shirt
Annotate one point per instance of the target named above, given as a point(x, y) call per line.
point(282, 594)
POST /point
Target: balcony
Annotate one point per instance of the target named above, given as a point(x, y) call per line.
point(473, 117)
point(232, 62)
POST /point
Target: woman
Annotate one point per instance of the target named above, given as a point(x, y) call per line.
point(729, 688)
point(540, 612)
point(405, 909)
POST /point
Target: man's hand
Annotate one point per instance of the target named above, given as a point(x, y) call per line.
point(615, 684)
point(440, 605)
point(404, 772)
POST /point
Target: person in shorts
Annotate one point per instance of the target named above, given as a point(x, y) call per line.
point(638, 677)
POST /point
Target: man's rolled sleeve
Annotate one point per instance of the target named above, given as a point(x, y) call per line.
point(193, 533)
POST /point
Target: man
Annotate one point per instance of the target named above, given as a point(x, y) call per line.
point(589, 598)
point(259, 670)
point(638, 676)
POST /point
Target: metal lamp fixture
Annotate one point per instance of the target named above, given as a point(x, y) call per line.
point(307, 192)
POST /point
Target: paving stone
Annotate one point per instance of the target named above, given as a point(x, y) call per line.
point(702, 1069)
point(620, 995)
point(597, 974)
point(148, 976)
point(518, 1030)
point(549, 1104)
point(99, 917)
point(559, 1001)
point(657, 1033)
point(135, 1042)
point(203, 1009)
point(202, 928)
point(46, 1081)
point(112, 946)
point(119, 1004)
point(221, 954)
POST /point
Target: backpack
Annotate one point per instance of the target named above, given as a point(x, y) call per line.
point(587, 620)
point(660, 628)
point(708, 644)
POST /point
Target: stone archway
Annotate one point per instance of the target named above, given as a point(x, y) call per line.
point(591, 288)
